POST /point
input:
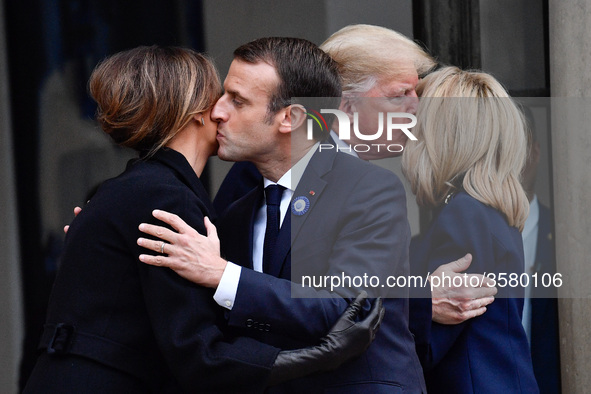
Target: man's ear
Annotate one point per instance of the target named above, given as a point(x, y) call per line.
point(348, 107)
point(293, 118)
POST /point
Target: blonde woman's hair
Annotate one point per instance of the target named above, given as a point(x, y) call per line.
point(367, 54)
point(471, 136)
point(146, 95)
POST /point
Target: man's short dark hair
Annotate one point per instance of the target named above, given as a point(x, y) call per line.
point(304, 70)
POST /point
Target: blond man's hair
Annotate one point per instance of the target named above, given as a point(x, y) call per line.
point(367, 54)
point(472, 137)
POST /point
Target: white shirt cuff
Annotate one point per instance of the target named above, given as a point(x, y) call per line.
point(228, 286)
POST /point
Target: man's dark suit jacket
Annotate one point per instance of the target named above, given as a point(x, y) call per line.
point(242, 178)
point(545, 349)
point(127, 327)
point(489, 353)
point(356, 223)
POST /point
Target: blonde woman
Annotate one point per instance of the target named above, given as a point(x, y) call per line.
point(465, 166)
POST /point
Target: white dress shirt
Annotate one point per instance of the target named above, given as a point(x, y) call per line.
point(225, 294)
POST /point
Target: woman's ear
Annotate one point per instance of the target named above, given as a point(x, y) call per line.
point(199, 118)
point(293, 118)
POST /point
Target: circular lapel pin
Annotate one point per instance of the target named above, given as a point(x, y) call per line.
point(300, 205)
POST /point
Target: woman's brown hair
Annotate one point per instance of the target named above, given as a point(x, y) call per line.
point(146, 95)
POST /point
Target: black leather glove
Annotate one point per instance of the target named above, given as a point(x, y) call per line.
point(345, 340)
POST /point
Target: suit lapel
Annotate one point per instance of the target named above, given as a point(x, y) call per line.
point(310, 186)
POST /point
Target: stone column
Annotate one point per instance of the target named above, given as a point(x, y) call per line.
point(570, 79)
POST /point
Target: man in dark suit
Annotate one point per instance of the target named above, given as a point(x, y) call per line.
point(372, 202)
point(344, 215)
point(375, 63)
point(540, 312)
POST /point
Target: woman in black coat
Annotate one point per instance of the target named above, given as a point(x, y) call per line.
point(115, 325)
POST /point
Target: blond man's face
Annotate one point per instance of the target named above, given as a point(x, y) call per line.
point(398, 95)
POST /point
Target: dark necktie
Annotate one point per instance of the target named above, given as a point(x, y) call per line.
point(273, 200)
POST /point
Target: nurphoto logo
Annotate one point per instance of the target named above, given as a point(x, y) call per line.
point(345, 129)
